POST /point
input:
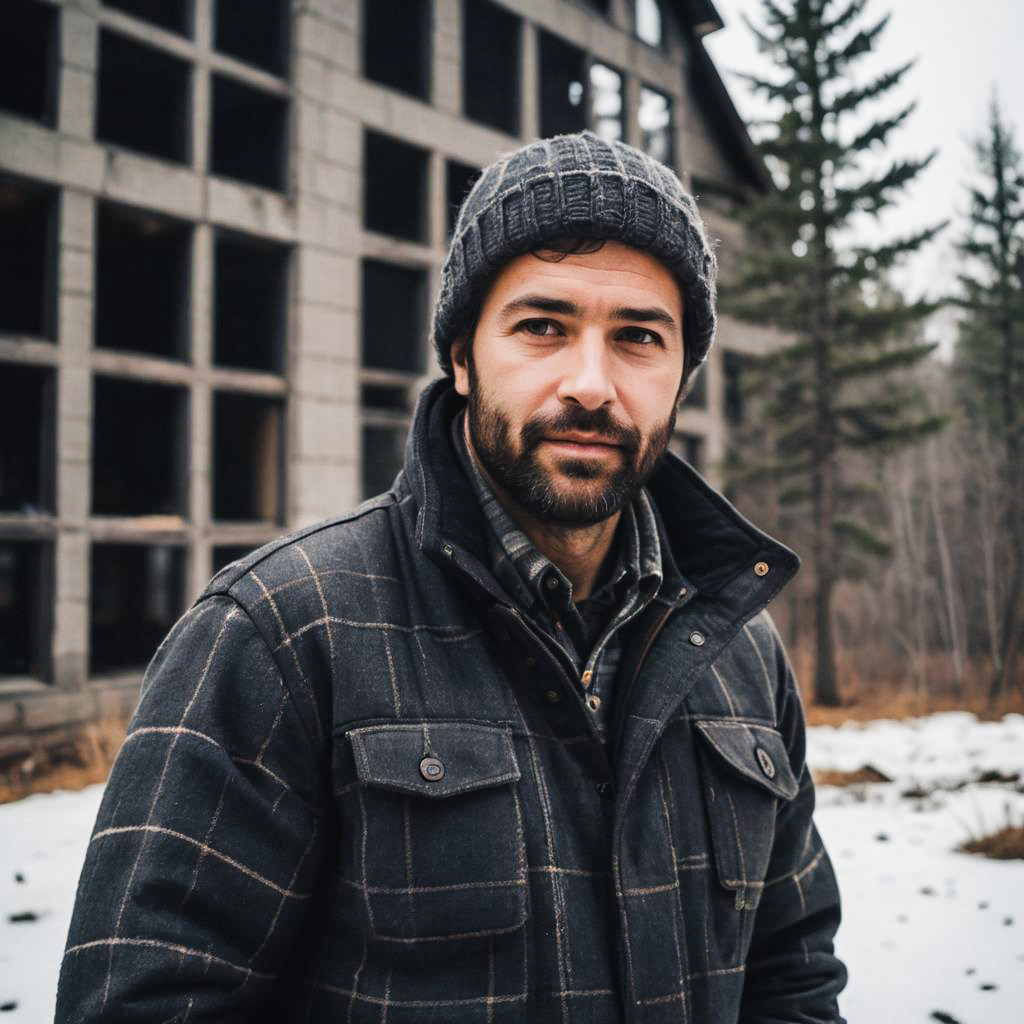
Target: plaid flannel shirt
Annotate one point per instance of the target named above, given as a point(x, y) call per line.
point(359, 787)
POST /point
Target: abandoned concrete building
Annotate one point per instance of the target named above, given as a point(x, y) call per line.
point(221, 228)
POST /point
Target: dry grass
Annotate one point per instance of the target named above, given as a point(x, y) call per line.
point(901, 704)
point(78, 761)
point(1006, 844)
point(855, 778)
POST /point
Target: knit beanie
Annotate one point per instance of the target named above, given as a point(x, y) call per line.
point(575, 186)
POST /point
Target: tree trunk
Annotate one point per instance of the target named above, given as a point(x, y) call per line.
point(1014, 464)
point(823, 483)
point(826, 687)
point(954, 637)
point(1003, 677)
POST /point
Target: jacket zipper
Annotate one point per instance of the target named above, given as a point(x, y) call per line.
point(622, 699)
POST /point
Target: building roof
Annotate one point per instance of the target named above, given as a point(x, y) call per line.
point(700, 18)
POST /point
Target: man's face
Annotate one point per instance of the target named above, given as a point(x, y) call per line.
point(572, 377)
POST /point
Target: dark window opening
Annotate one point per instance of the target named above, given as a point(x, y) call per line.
point(490, 61)
point(250, 298)
point(143, 101)
point(461, 178)
point(26, 594)
point(136, 594)
point(691, 448)
point(247, 457)
point(734, 366)
point(393, 300)
point(395, 188)
point(225, 554)
point(256, 33)
point(563, 90)
point(172, 15)
point(381, 396)
point(601, 6)
point(383, 456)
point(396, 44)
point(142, 282)
point(248, 134)
point(139, 455)
point(28, 59)
point(606, 102)
point(27, 455)
point(655, 119)
point(28, 259)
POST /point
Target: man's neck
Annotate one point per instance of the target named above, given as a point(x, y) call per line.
point(579, 552)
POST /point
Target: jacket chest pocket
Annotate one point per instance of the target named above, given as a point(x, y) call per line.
point(746, 772)
point(441, 853)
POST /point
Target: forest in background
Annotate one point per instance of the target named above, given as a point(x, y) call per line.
point(895, 469)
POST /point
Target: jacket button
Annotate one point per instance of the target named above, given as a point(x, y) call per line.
point(432, 769)
point(761, 568)
point(605, 790)
point(766, 763)
point(697, 638)
point(552, 696)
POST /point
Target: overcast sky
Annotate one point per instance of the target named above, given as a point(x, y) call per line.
point(963, 50)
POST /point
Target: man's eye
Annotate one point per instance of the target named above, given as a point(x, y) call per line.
point(539, 328)
point(639, 336)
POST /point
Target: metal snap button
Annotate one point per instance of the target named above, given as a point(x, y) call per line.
point(766, 763)
point(605, 790)
point(593, 702)
point(552, 696)
point(697, 638)
point(552, 583)
point(761, 568)
point(432, 769)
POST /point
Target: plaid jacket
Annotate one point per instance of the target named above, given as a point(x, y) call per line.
point(359, 787)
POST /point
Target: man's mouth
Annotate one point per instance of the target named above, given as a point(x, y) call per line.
point(585, 445)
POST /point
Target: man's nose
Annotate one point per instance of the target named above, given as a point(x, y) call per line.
point(587, 379)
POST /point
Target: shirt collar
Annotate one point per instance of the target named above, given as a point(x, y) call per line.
point(638, 558)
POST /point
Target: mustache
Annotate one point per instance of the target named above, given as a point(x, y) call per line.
point(575, 418)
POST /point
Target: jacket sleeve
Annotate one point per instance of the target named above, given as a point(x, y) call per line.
point(793, 975)
point(208, 841)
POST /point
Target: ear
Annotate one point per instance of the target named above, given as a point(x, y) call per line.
point(460, 364)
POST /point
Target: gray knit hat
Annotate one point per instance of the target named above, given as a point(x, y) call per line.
point(575, 186)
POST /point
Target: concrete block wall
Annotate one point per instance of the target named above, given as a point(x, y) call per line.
point(319, 217)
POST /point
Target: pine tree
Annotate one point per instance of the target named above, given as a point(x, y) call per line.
point(990, 353)
point(833, 389)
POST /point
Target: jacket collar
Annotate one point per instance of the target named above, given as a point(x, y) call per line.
point(709, 541)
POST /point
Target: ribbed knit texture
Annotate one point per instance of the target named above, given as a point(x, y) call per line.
point(575, 186)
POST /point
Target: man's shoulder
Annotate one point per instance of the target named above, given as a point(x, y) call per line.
point(354, 539)
point(749, 678)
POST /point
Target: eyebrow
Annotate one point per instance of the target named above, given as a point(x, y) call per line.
point(649, 316)
point(545, 304)
point(542, 304)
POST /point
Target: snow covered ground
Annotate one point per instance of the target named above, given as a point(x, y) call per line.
point(929, 934)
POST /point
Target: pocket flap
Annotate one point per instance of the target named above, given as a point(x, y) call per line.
point(756, 753)
point(435, 759)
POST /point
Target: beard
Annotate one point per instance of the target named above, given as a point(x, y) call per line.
point(599, 493)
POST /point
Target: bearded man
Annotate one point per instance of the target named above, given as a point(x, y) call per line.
point(514, 741)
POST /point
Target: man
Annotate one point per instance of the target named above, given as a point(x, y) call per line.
point(514, 741)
